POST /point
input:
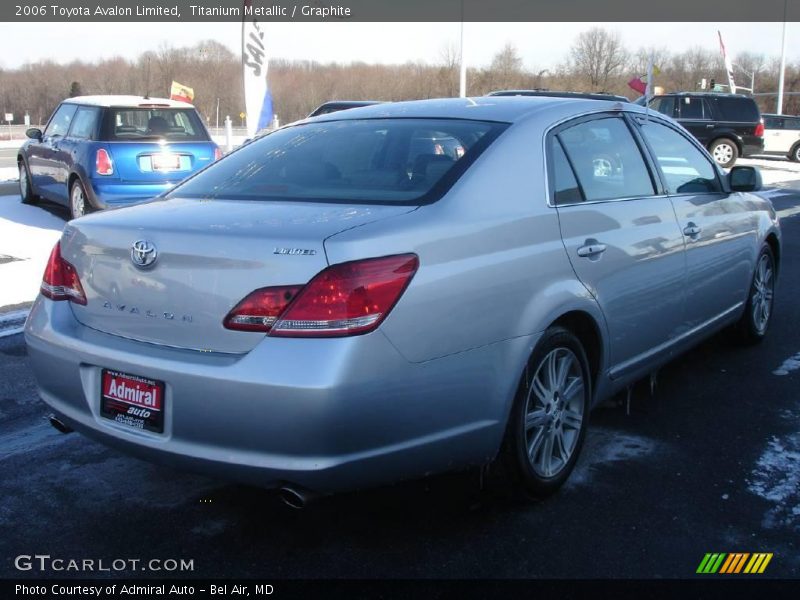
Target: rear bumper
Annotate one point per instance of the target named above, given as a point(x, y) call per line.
point(752, 145)
point(110, 194)
point(327, 415)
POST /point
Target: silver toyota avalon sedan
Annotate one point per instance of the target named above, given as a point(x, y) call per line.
point(399, 290)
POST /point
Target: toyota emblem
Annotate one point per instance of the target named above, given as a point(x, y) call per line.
point(143, 253)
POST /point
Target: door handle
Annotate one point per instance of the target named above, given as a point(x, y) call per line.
point(692, 230)
point(710, 126)
point(591, 248)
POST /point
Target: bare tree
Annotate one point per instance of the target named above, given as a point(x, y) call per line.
point(598, 55)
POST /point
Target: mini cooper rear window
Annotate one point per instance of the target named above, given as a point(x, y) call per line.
point(147, 124)
point(396, 161)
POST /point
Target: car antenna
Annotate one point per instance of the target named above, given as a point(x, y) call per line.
point(147, 80)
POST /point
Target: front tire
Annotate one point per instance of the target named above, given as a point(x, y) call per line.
point(25, 192)
point(548, 422)
point(78, 202)
point(724, 152)
point(753, 326)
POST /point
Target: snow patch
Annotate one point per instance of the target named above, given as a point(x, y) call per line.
point(790, 364)
point(28, 234)
point(776, 478)
point(604, 446)
point(9, 174)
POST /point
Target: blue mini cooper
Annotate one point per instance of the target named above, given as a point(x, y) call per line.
point(100, 152)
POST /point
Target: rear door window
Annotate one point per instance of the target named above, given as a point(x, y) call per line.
point(85, 122)
point(565, 186)
point(61, 120)
point(773, 123)
point(405, 161)
point(685, 168)
point(606, 160)
point(738, 109)
point(694, 109)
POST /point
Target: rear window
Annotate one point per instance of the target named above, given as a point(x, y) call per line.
point(385, 161)
point(738, 109)
point(694, 108)
point(171, 124)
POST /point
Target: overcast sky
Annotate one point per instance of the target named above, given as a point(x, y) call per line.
point(541, 45)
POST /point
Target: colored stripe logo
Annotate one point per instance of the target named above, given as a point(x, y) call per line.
point(734, 563)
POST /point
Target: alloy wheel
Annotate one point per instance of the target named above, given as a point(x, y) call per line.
point(763, 292)
point(23, 181)
point(77, 201)
point(554, 412)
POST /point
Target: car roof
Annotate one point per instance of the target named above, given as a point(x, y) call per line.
point(706, 94)
point(350, 103)
point(504, 109)
point(559, 94)
point(127, 102)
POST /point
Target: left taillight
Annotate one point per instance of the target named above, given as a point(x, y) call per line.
point(103, 163)
point(760, 129)
point(61, 281)
point(217, 153)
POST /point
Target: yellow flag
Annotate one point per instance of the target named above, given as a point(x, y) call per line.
point(181, 92)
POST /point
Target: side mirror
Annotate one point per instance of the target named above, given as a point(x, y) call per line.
point(34, 133)
point(745, 179)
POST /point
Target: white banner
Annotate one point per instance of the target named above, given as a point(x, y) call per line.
point(728, 65)
point(257, 98)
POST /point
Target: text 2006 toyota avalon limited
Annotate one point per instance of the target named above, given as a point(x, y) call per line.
point(402, 289)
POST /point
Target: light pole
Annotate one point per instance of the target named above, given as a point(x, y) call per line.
point(779, 109)
point(462, 79)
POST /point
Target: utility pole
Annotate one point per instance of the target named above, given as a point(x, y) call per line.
point(217, 115)
point(779, 109)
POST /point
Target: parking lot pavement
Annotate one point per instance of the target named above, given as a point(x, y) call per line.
point(709, 463)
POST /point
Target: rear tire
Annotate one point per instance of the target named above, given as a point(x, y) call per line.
point(724, 152)
point(25, 192)
point(550, 415)
point(753, 326)
point(79, 204)
point(794, 154)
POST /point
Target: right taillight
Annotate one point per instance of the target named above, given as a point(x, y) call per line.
point(103, 163)
point(60, 281)
point(760, 129)
point(345, 299)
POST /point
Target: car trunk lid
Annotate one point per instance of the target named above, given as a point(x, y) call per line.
point(208, 256)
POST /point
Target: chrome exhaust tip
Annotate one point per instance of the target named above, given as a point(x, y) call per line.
point(294, 498)
point(58, 425)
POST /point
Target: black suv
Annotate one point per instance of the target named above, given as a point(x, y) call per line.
point(729, 125)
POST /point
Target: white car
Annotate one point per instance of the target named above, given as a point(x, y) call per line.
point(782, 136)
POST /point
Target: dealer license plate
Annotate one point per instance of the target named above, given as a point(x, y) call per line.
point(134, 401)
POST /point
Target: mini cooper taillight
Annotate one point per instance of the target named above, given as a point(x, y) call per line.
point(103, 163)
point(345, 299)
point(60, 281)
